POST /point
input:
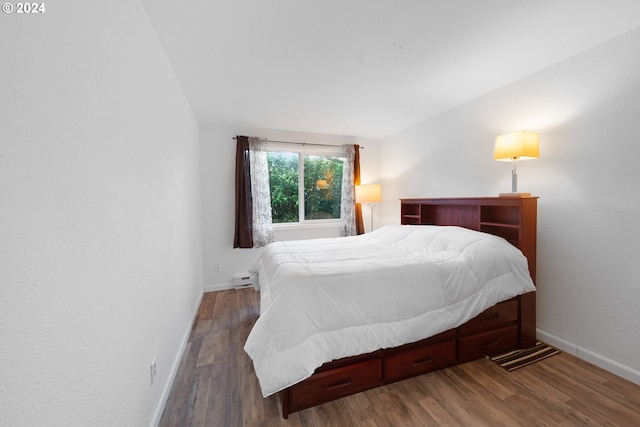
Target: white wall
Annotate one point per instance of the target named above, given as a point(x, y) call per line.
point(587, 110)
point(217, 163)
point(100, 253)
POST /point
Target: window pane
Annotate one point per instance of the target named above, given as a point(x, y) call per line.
point(322, 187)
point(283, 184)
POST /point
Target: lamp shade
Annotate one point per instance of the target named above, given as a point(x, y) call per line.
point(517, 145)
point(370, 193)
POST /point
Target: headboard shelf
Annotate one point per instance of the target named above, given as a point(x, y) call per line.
point(512, 218)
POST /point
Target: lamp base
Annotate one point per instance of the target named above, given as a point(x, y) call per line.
point(371, 205)
point(515, 194)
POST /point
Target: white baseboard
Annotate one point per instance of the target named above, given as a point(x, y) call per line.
point(594, 358)
point(218, 287)
point(166, 389)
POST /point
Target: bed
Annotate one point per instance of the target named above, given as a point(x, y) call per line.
point(342, 315)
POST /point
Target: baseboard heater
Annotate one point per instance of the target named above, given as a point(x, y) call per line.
point(244, 280)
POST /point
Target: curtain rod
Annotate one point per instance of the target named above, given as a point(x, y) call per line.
point(301, 143)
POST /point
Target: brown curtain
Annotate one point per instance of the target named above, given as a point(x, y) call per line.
point(243, 237)
point(356, 180)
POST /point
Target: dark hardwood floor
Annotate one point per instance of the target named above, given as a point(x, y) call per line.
point(216, 386)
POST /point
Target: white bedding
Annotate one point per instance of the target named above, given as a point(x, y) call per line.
point(326, 299)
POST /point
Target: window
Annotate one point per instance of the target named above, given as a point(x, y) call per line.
point(304, 186)
point(321, 173)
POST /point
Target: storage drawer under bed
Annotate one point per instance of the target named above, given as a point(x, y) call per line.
point(487, 343)
point(419, 360)
point(500, 314)
point(334, 384)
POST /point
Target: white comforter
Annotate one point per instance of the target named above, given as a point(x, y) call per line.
point(326, 299)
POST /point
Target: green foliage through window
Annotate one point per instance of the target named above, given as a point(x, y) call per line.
point(283, 184)
point(322, 187)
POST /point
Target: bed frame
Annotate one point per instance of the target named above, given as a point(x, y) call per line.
point(506, 326)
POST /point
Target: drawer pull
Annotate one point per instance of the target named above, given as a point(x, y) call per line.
point(424, 360)
point(344, 383)
point(491, 316)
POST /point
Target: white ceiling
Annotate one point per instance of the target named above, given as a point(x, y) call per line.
point(366, 68)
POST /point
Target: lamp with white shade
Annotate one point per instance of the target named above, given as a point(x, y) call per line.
point(513, 147)
point(369, 194)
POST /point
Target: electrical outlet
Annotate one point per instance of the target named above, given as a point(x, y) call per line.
point(154, 369)
point(217, 268)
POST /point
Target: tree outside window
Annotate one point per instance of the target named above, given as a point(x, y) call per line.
point(318, 179)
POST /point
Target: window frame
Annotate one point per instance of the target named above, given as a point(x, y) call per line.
point(306, 150)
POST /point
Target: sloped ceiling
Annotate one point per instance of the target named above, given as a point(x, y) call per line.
point(367, 68)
